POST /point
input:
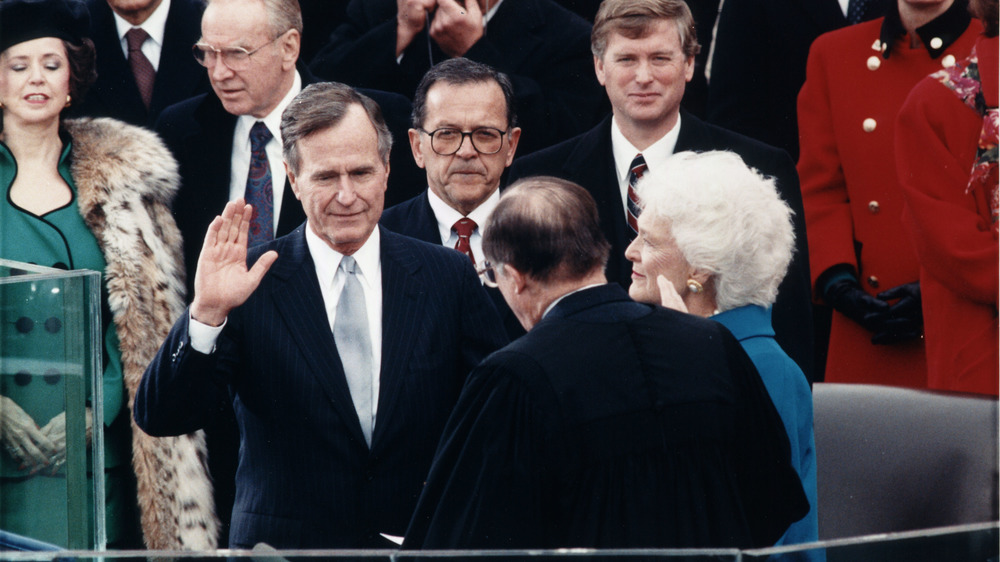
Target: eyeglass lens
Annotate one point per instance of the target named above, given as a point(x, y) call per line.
point(486, 140)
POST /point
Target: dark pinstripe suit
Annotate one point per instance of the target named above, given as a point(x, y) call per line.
point(306, 477)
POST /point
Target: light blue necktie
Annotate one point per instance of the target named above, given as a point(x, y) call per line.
point(350, 332)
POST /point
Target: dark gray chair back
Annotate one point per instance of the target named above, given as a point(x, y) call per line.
point(895, 459)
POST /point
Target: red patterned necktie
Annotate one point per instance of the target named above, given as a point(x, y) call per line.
point(464, 228)
point(635, 171)
point(142, 69)
point(259, 193)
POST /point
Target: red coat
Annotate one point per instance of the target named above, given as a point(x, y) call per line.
point(955, 236)
point(847, 111)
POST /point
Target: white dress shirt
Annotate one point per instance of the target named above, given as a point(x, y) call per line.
point(655, 154)
point(155, 25)
point(241, 152)
point(331, 284)
point(447, 217)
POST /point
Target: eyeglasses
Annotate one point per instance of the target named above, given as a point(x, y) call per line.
point(487, 272)
point(235, 58)
point(446, 140)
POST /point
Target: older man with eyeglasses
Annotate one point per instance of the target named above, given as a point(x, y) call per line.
point(464, 136)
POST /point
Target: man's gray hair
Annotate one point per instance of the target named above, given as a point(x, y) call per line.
point(321, 106)
point(726, 218)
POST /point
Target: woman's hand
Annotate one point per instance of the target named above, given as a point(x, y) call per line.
point(55, 430)
point(21, 437)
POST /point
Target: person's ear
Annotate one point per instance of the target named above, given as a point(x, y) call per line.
point(518, 279)
point(292, 180)
point(416, 146)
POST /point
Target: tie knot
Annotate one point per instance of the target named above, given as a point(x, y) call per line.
point(464, 227)
point(348, 264)
point(638, 165)
point(259, 135)
point(135, 37)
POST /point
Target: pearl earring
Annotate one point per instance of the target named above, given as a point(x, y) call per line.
point(695, 286)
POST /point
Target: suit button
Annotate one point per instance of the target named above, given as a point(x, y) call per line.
point(53, 325)
point(873, 281)
point(873, 207)
point(936, 43)
point(874, 62)
point(868, 125)
point(948, 61)
point(22, 378)
point(24, 325)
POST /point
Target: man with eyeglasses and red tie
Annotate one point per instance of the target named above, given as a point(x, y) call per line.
point(228, 145)
point(464, 136)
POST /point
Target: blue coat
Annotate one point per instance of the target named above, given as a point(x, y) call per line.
point(790, 393)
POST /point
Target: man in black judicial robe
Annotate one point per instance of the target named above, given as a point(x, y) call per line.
point(611, 423)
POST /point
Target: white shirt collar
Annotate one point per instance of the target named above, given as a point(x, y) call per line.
point(155, 25)
point(447, 216)
point(654, 155)
point(272, 120)
point(327, 260)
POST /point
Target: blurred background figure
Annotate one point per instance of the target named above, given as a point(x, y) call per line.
point(759, 61)
point(946, 139)
point(541, 46)
point(861, 262)
point(89, 194)
point(715, 240)
point(144, 60)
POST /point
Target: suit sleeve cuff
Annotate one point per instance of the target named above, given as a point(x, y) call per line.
point(203, 336)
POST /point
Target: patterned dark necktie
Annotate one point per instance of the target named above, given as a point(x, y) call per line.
point(464, 228)
point(635, 171)
point(259, 193)
point(856, 11)
point(142, 69)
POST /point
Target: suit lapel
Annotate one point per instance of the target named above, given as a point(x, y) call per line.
point(592, 163)
point(402, 312)
point(298, 299)
point(178, 76)
point(117, 84)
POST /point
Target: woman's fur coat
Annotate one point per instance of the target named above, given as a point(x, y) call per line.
point(126, 180)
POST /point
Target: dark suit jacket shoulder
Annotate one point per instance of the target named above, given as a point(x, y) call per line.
point(306, 478)
point(178, 76)
point(588, 160)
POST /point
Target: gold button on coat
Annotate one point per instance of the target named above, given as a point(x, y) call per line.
point(936, 43)
point(948, 61)
point(873, 281)
point(874, 62)
point(874, 207)
point(869, 125)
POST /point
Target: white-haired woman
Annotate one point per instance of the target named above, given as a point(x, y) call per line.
point(715, 240)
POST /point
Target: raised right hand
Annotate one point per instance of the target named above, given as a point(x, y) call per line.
point(222, 281)
point(21, 437)
point(411, 18)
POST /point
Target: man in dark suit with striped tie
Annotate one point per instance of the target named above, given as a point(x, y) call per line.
point(644, 57)
point(343, 347)
point(464, 136)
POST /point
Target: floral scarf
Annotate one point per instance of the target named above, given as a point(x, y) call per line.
point(963, 79)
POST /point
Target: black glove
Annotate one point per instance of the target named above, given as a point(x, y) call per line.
point(906, 317)
point(848, 298)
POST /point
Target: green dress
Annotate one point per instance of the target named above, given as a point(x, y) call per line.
point(31, 352)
